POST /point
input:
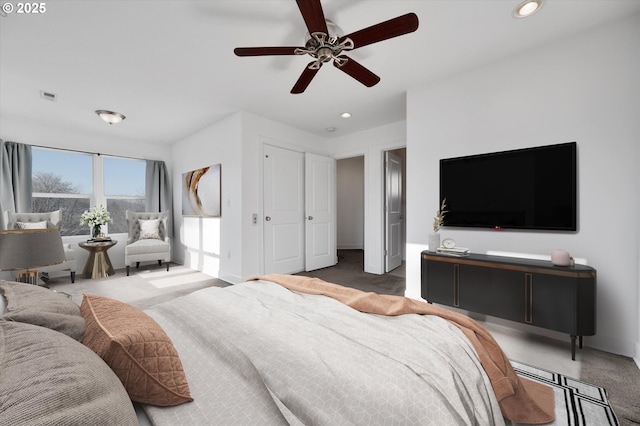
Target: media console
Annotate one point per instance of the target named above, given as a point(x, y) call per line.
point(528, 291)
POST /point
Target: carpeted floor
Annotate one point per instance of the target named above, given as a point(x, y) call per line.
point(619, 375)
point(349, 271)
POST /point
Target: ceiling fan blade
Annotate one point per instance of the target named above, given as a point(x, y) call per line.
point(384, 30)
point(313, 15)
point(261, 51)
point(305, 78)
point(357, 71)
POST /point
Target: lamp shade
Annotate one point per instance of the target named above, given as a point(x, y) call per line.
point(30, 248)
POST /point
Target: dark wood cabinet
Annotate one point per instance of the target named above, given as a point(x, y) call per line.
point(524, 290)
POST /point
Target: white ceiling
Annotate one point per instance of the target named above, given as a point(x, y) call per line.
point(169, 65)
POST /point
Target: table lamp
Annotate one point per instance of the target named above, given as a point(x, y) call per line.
point(25, 250)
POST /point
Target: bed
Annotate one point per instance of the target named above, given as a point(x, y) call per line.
point(281, 350)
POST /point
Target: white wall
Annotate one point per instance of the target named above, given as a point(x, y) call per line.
point(350, 203)
point(34, 133)
point(230, 247)
point(210, 245)
point(372, 144)
point(584, 89)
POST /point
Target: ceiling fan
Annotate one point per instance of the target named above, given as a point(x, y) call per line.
point(325, 46)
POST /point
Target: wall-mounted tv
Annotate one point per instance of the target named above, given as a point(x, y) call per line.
point(531, 188)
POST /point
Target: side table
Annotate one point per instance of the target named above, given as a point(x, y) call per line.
point(98, 264)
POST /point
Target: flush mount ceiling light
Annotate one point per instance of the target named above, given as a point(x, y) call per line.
point(345, 115)
point(110, 116)
point(527, 8)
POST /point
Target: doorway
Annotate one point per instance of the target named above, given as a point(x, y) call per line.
point(394, 208)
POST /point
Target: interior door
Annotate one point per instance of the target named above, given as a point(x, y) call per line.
point(320, 212)
point(393, 211)
point(283, 210)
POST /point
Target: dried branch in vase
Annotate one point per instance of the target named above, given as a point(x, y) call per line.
point(438, 221)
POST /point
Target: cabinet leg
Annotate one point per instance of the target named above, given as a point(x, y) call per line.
point(573, 347)
point(580, 341)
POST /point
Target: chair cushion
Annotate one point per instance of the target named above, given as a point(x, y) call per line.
point(147, 247)
point(53, 219)
point(134, 224)
point(149, 229)
point(31, 225)
point(137, 349)
point(40, 306)
point(69, 253)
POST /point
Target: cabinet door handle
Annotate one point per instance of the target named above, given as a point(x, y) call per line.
point(456, 285)
point(528, 298)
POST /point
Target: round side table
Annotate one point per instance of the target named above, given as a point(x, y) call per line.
point(98, 264)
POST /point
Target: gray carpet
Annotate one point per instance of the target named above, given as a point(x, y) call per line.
point(349, 272)
point(145, 287)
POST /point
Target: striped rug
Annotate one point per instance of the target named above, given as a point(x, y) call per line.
point(577, 403)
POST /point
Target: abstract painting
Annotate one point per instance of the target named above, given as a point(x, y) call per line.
point(201, 192)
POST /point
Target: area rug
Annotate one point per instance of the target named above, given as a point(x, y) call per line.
point(577, 403)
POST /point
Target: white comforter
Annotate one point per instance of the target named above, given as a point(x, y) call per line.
point(259, 354)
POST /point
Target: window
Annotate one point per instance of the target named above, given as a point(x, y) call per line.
point(62, 181)
point(124, 189)
point(72, 182)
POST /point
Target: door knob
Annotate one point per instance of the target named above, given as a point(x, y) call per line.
point(310, 218)
point(268, 218)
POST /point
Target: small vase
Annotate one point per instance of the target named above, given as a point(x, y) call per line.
point(96, 231)
point(433, 241)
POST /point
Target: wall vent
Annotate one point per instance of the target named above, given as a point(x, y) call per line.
point(48, 95)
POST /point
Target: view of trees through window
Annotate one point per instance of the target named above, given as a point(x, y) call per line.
point(71, 207)
point(124, 182)
point(65, 180)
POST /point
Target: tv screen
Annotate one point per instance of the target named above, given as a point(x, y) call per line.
point(532, 188)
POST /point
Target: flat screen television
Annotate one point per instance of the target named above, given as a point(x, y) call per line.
point(531, 188)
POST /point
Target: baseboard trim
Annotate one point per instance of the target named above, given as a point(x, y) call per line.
point(636, 358)
point(350, 247)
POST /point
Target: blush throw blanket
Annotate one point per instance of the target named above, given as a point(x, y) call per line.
point(521, 400)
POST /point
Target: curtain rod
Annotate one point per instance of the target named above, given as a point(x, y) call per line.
point(88, 152)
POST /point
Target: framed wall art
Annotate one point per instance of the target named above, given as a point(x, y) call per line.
point(201, 192)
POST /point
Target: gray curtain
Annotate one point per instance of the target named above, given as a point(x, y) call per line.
point(15, 179)
point(158, 191)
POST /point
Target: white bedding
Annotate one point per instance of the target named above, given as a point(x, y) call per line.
point(257, 353)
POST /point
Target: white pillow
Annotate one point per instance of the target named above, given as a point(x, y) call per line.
point(31, 225)
point(149, 229)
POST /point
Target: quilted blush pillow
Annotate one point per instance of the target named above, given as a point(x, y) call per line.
point(40, 306)
point(149, 229)
point(137, 350)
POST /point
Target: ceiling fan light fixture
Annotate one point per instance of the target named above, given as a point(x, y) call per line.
point(527, 8)
point(110, 117)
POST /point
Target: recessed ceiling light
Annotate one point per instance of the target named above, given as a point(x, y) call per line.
point(527, 8)
point(345, 115)
point(330, 129)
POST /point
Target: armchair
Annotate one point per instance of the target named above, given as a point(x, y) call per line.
point(44, 220)
point(147, 239)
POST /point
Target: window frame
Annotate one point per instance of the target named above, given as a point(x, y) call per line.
point(97, 195)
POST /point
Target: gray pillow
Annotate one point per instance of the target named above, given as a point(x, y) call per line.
point(50, 379)
point(41, 306)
